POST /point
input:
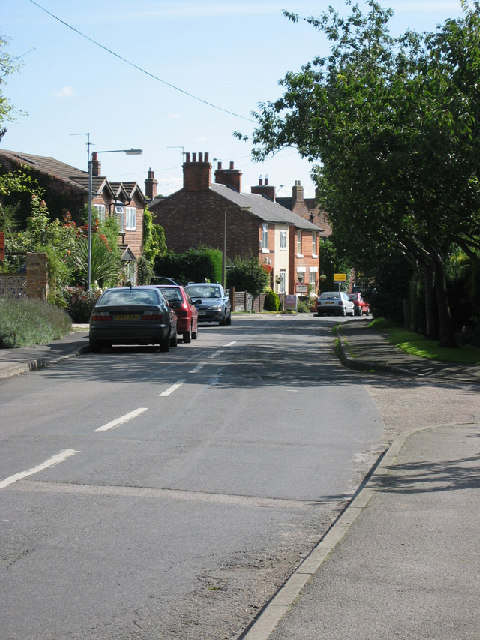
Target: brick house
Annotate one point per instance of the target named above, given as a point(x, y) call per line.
point(206, 213)
point(66, 189)
point(308, 208)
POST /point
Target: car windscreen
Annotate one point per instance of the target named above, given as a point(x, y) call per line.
point(129, 296)
point(204, 292)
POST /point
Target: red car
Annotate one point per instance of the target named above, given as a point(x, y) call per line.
point(185, 310)
point(361, 306)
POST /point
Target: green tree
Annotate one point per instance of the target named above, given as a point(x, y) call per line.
point(8, 65)
point(246, 274)
point(393, 126)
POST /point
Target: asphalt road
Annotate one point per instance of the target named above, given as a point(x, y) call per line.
point(149, 495)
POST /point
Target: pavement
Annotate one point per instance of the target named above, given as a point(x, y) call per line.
point(403, 559)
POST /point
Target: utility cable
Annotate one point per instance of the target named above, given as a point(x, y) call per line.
point(135, 66)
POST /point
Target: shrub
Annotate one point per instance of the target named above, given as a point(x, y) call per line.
point(272, 301)
point(80, 302)
point(28, 322)
point(302, 307)
point(247, 274)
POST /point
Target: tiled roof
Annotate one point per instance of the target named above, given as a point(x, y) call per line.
point(264, 208)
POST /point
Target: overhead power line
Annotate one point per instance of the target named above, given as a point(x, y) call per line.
point(135, 66)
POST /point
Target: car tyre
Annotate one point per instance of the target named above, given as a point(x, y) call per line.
point(95, 346)
point(228, 321)
point(165, 344)
point(187, 336)
point(194, 334)
point(174, 340)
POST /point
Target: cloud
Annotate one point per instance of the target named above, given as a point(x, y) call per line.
point(66, 92)
point(174, 116)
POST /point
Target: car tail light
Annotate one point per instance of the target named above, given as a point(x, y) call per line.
point(341, 303)
point(151, 314)
point(183, 309)
point(101, 316)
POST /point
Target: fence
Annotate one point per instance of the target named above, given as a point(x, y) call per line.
point(244, 301)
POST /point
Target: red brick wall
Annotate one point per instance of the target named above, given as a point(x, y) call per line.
point(191, 219)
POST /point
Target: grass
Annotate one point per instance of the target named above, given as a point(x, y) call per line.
point(24, 322)
point(418, 345)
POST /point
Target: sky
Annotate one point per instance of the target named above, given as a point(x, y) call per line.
point(166, 76)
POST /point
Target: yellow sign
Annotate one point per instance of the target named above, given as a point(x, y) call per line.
point(339, 277)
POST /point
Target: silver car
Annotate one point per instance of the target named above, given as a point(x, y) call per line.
point(335, 303)
point(213, 305)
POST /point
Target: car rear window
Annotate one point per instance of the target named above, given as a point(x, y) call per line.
point(171, 294)
point(129, 296)
point(327, 295)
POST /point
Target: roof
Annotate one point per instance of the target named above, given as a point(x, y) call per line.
point(66, 173)
point(264, 208)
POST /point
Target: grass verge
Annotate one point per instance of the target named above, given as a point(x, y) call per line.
point(418, 345)
point(24, 323)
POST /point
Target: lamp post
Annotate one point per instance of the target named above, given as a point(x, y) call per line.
point(128, 152)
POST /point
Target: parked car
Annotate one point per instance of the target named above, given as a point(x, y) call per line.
point(334, 303)
point(361, 306)
point(132, 315)
point(213, 305)
point(185, 310)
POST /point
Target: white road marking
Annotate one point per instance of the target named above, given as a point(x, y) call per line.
point(171, 389)
point(230, 344)
point(122, 419)
point(56, 459)
point(216, 353)
point(199, 366)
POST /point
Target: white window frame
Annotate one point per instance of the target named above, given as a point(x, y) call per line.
point(282, 287)
point(314, 244)
point(283, 240)
point(100, 209)
point(299, 243)
point(313, 277)
point(264, 238)
point(130, 218)
point(120, 213)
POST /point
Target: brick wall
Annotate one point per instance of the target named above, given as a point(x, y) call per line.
point(37, 275)
point(191, 219)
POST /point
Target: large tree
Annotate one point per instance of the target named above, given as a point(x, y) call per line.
point(393, 125)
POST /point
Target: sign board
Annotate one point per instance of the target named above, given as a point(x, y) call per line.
point(301, 289)
point(339, 277)
point(290, 303)
point(2, 245)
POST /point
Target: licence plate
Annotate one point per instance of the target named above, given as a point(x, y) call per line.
point(127, 316)
point(328, 302)
point(202, 313)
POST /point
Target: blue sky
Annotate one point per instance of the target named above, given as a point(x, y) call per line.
point(228, 53)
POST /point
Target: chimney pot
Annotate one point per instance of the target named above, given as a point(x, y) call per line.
point(231, 165)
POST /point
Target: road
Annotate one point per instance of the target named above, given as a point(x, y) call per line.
point(148, 495)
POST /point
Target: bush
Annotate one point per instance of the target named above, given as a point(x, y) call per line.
point(272, 301)
point(28, 322)
point(302, 307)
point(247, 274)
point(80, 303)
point(196, 265)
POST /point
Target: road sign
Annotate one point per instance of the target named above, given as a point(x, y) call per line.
point(339, 277)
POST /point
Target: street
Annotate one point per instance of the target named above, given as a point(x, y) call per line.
point(150, 495)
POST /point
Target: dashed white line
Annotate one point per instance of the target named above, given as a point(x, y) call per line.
point(56, 459)
point(171, 389)
point(216, 353)
point(198, 368)
point(230, 344)
point(122, 419)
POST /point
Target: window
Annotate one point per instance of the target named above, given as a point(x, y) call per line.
point(265, 236)
point(314, 244)
point(131, 218)
point(283, 239)
point(299, 242)
point(120, 213)
point(313, 277)
point(100, 210)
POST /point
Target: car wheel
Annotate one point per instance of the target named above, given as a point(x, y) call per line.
point(174, 340)
point(228, 321)
point(165, 344)
point(187, 336)
point(195, 334)
point(94, 346)
point(352, 312)
point(358, 311)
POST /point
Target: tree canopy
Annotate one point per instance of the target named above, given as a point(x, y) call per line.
point(392, 124)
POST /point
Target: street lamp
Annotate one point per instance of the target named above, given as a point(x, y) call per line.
point(128, 152)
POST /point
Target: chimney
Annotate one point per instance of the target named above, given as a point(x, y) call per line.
point(150, 185)
point(297, 193)
point(266, 190)
point(197, 174)
point(229, 177)
point(95, 164)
